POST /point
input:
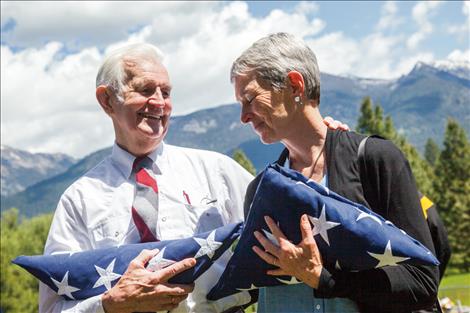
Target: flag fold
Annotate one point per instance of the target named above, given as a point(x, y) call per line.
point(349, 236)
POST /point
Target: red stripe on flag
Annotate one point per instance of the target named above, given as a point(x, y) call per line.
point(142, 177)
point(146, 234)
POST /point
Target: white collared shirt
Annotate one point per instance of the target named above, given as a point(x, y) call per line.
point(198, 191)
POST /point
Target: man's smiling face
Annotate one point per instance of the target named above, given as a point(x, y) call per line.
point(141, 119)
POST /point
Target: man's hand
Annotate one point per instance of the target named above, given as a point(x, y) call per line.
point(334, 124)
point(140, 290)
point(302, 261)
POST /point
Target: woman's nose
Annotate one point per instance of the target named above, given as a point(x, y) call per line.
point(246, 115)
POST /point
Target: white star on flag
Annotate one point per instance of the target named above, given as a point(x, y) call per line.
point(337, 266)
point(106, 275)
point(63, 286)
point(321, 225)
point(208, 245)
point(291, 281)
point(252, 287)
point(271, 237)
point(367, 215)
point(387, 258)
point(158, 262)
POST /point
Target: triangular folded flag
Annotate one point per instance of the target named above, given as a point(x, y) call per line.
point(80, 275)
point(349, 236)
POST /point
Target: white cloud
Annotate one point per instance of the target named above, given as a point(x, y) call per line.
point(80, 24)
point(47, 91)
point(49, 105)
point(51, 100)
point(462, 30)
point(336, 53)
point(306, 7)
point(388, 17)
point(422, 11)
point(459, 56)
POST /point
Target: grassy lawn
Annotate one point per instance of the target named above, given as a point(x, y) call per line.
point(456, 287)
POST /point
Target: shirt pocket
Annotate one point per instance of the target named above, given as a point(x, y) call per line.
point(114, 231)
point(204, 217)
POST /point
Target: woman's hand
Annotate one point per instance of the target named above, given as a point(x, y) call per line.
point(302, 261)
point(334, 124)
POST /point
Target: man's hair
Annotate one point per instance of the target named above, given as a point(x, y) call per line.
point(112, 72)
point(273, 57)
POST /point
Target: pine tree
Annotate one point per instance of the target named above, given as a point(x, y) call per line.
point(431, 151)
point(452, 193)
point(19, 289)
point(242, 159)
point(371, 121)
point(365, 124)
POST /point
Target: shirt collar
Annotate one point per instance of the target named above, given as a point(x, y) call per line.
point(124, 160)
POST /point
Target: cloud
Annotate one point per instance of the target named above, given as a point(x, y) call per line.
point(49, 105)
point(422, 11)
point(459, 56)
point(306, 7)
point(48, 102)
point(79, 24)
point(388, 17)
point(47, 90)
point(462, 30)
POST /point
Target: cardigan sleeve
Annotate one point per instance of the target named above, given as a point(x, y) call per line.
point(392, 194)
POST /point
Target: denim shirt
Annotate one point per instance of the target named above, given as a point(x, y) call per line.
point(299, 298)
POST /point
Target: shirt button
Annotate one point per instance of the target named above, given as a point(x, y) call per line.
point(318, 307)
point(163, 219)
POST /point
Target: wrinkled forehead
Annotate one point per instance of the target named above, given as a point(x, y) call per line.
point(144, 69)
point(250, 82)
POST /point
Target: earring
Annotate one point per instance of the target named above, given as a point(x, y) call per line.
point(297, 99)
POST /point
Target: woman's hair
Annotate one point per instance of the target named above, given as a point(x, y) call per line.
point(273, 57)
point(112, 72)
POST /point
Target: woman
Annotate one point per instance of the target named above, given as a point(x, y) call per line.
point(277, 82)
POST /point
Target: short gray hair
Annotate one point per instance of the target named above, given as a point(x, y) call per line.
point(112, 71)
point(273, 57)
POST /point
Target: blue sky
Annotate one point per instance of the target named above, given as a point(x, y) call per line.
point(51, 52)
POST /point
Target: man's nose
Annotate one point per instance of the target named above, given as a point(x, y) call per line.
point(157, 99)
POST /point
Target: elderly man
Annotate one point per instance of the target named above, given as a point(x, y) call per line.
point(185, 191)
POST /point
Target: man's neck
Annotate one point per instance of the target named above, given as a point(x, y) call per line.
point(138, 150)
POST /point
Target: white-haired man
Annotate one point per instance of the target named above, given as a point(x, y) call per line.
point(197, 191)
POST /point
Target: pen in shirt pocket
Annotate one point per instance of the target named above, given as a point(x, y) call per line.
point(186, 197)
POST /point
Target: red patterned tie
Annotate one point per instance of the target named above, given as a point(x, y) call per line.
point(145, 206)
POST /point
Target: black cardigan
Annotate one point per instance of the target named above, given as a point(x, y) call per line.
point(394, 196)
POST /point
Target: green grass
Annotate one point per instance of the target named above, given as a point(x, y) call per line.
point(456, 287)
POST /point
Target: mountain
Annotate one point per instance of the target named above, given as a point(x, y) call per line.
point(43, 197)
point(21, 169)
point(218, 129)
point(418, 102)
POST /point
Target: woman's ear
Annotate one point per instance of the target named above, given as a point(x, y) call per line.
point(297, 83)
point(104, 98)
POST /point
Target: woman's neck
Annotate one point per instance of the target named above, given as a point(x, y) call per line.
point(306, 144)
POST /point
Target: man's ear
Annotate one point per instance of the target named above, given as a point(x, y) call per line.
point(296, 82)
point(104, 98)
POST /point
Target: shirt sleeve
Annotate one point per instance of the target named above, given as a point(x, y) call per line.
point(67, 233)
point(394, 196)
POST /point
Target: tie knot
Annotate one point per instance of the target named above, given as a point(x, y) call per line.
point(141, 162)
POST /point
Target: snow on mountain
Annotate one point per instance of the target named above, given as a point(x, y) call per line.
point(20, 169)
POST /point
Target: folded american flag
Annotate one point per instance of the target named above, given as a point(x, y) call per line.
point(80, 275)
point(349, 236)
